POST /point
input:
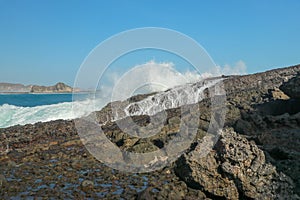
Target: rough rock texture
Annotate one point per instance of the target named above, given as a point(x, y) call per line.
point(49, 160)
point(235, 169)
point(292, 87)
point(274, 124)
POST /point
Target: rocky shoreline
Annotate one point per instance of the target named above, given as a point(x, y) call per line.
point(257, 155)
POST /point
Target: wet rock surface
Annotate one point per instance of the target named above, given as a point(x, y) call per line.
point(61, 167)
point(257, 156)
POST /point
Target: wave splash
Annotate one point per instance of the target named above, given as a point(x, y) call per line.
point(11, 115)
point(185, 93)
point(172, 98)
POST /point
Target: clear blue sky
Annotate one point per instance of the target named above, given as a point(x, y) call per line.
point(43, 42)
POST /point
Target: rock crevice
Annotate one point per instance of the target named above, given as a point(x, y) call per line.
point(236, 168)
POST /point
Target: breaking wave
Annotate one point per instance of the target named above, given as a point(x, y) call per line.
point(11, 115)
point(185, 93)
point(173, 98)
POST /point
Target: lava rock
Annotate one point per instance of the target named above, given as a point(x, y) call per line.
point(236, 168)
point(292, 87)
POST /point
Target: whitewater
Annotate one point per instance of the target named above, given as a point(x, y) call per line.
point(11, 115)
point(186, 88)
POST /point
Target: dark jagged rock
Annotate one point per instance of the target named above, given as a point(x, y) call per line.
point(235, 169)
point(49, 160)
point(292, 87)
point(278, 136)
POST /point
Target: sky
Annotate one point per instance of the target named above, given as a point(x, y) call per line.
point(44, 42)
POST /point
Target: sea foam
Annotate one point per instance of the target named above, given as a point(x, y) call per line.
point(182, 92)
point(11, 115)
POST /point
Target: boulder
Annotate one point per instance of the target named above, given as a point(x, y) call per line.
point(292, 87)
point(235, 168)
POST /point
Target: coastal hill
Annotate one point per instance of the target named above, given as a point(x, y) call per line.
point(20, 88)
point(14, 88)
point(256, 155)
point(57, 88)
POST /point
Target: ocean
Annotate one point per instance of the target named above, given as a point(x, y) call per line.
point(21, 109)
point(32, 100)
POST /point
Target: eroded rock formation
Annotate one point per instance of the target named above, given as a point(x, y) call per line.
point(257, 156)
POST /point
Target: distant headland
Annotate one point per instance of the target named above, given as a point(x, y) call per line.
point(21, 89)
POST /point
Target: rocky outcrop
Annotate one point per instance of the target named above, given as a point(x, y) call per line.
point(236, 169)
point(57, 88)
point(274, 124)
point(292, 87)
point(258, 108)
point(256, 157)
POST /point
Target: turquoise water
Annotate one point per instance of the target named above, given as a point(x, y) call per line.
point(32, 100)
point(21, 109)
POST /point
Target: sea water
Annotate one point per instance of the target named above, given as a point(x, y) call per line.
point(32, 100)
point(20, 109)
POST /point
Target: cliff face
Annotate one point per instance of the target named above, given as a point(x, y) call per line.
point(58, 88)
point(257, 155)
